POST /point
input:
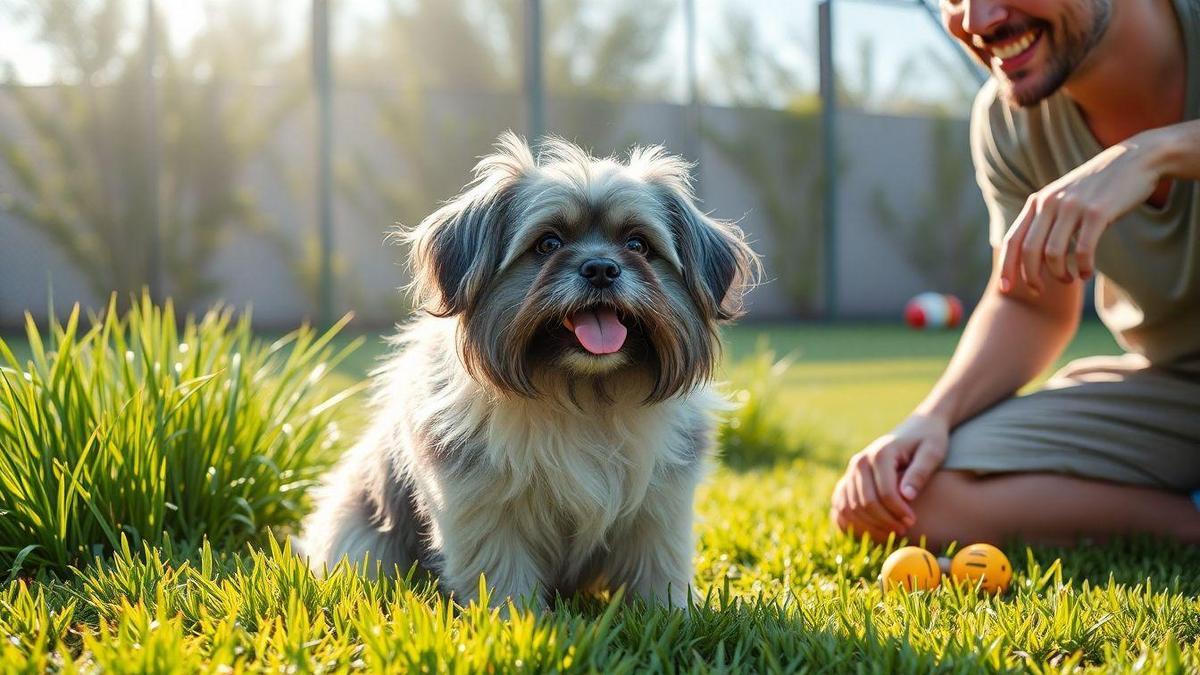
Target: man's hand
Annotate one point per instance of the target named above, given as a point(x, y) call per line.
point(1078, 208)
point(879, 482)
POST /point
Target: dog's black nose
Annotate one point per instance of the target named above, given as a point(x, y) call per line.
point(600, 272)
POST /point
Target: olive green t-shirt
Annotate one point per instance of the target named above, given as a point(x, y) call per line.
point(1148, 262)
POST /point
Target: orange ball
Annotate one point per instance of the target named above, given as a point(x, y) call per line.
point(912, 567)
point(982, 564)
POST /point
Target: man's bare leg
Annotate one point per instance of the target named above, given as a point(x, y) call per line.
point(1045, 508)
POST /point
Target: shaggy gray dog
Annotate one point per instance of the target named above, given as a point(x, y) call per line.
point(547, 421)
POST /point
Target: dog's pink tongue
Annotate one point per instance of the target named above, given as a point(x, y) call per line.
point(600, 332)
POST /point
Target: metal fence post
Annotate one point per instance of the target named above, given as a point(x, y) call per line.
point(695, 137)
point(154, 278)
point(828, 154)
point(323, 79)
point(535, 95)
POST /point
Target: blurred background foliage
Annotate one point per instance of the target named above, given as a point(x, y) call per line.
point(110, 157)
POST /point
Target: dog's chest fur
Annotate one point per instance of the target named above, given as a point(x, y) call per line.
point(568, 475)
point(573, 483)
point(584, 469)
point(594, 469)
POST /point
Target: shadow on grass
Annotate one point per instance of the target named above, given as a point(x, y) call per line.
point(851, 631)
point(842, 625)
point(1166, 565)
point(819, 342)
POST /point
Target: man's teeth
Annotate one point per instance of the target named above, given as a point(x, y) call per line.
point(1016, 46)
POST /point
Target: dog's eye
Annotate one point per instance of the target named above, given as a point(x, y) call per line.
point(548, 244)
point(637, 245)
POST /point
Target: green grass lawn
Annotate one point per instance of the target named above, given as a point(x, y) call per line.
point(850, 382)
point(783, 590)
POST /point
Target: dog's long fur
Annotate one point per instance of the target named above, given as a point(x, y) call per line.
point(501, 447)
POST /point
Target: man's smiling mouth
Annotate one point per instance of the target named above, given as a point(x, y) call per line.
point(1009, 48)
point(1016, 46)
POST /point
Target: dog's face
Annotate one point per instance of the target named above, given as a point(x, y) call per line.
point(577, 269)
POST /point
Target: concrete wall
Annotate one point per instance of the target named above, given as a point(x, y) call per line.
point(910, 218)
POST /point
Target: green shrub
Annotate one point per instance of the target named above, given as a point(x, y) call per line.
point(135, 426)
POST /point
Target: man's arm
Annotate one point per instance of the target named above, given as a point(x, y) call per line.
point(1176, 150)
point(1010, 338)
point(1008, 341)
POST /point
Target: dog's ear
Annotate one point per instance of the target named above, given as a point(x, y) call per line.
point(454, 252)
point(718, 264)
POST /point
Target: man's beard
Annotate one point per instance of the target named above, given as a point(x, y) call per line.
point(1063, 59)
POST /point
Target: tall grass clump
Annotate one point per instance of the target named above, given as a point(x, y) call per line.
point(759, 431)
point(136, 426)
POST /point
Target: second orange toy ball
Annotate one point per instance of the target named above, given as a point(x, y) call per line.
point(982, 564)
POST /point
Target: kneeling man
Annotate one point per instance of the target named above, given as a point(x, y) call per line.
point(1086, 144)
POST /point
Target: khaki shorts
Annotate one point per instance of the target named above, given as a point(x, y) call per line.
point(1108, 418)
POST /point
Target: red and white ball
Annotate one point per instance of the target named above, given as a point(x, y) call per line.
point(933, 310)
